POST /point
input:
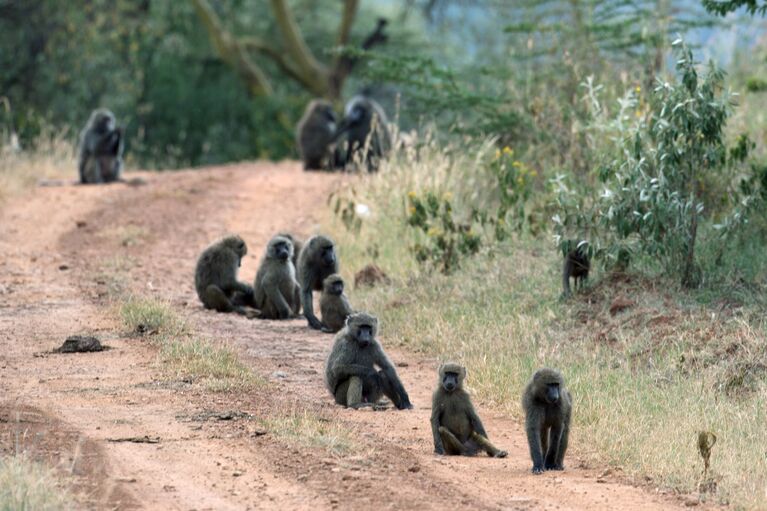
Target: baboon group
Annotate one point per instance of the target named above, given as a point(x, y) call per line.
point(358, 373)
point(362, 137)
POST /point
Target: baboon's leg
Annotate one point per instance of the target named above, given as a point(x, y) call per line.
point(354, 393)
point(451, 443)
point(216, 299)
point(488, 447)
point(555, 435)
point(560, 457)
point(342, 391)
point(544, 443)
point(391, 387)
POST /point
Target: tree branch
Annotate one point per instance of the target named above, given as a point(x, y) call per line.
point(287, 67)
point(312, 71)
point(344, 63)
point(231, 51)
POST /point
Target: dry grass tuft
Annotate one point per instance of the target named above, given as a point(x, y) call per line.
point(302, 427)
point(20, 170)
point(26, 485)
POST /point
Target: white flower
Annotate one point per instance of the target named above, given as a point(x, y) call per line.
point(362, 210)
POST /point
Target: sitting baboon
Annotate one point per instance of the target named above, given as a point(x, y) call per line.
point(316, 261)
point(455, 424)
point(367, 131)
point(215, 277)
point(101, 148)
point(276, 292)
point(350, 371)
point(334, 306)
point(576, 265)
point(315, 135)
point(547, 406)
point(297, 246)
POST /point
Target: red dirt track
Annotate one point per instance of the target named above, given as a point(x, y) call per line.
point(58, 246)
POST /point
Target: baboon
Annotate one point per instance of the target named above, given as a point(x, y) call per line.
point(350, 371)
point(276, 292)
point(334, 306)
point(215, 277)
point(455, 424)
point(547, 406)
point(297, 246)
point(101, 148)
point(576, 265)
point(315, 135)
point(367, 131)
point(316, 261)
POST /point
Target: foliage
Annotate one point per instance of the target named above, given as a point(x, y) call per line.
point(654, 191)
point(445, 240)
point(724, 7)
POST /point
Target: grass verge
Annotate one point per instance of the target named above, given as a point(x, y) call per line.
point(20, 170)
point(645, 379)
point(303, 427)
point(183, 355)
point(26, 485)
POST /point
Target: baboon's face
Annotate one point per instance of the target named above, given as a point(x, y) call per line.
point(357, 114)
point(280, 249)
point(327, 113)
point(548, 389)
point(362, 327)
point(328, 256)
point(334, 286)
point(451, 377)
point(104, 122)
point(236, 244)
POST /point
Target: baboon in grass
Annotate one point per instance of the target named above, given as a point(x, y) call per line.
point(316, 262)
point(576, 265)
point(350, 371)
point(277, 294)
point(334, 306)
point(315, 135)
point(547, 406)
point(215, 277)
point(367, 131)
point(455, 424)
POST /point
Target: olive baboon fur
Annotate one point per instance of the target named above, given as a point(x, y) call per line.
point(316, 262)
point(334, 305)
point(350, 371)
point(548, 406)
point(215, 277)
point(276, 292)
point(455, 425)
point(101, 148)
point(367, 131)
point(315, 135)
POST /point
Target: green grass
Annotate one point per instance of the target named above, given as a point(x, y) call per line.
point(29, 486)
point(645, 381)
point(183, 355)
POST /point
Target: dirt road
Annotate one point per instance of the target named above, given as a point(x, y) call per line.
point(58, 247)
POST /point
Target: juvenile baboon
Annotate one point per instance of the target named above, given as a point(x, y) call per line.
point(215, 277)
point(367, 131)
point(547, 406)
point(101, 148)
point(316, 261)
point(350, 371)
point(455, 424)
point(576, 265)
point(297, 246)
point(334, 306)
point(277, 294)
point(315, 136)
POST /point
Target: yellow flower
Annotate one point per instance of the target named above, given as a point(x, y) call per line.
point(411, 210)
point(534, 173)
point(433, 231)
point(411, 195)
point(447, 196)
point(508, 150)
point(638, 89)
point(638, 114)
point(520, 180)
point(516, 164)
